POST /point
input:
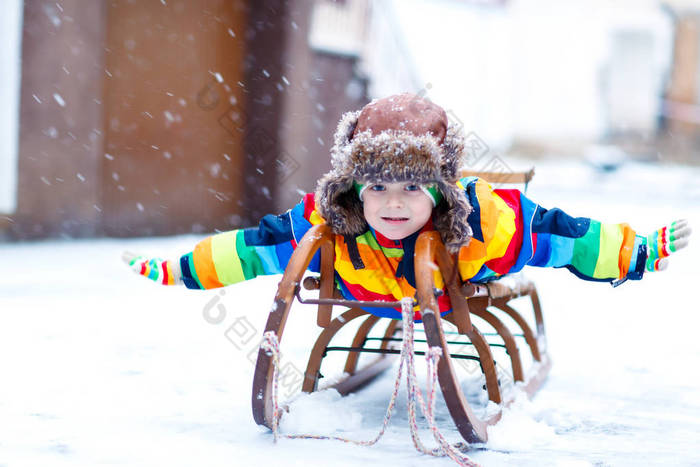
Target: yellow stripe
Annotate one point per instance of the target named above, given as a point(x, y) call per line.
point(660, 241)
point(225, 257)
point(611, 237)
point(375, 280)
point(468, 269)
point(488, 210)
point(497, 221)
point(504, 231)
point(437, 278)
point(315, 218)
point(171, 280)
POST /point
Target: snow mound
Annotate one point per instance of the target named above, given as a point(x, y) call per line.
point(321, 413)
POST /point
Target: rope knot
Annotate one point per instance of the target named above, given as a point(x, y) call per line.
point(270, 344)
point(433, 354)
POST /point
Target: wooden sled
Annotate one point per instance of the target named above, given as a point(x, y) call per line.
point(490, 302)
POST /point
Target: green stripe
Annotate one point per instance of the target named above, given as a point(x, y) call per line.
point(609, 257)
point(193, 270)
point(250, 261)
point(225, 258)
point(652, 247)
point(435, 194)
point(586, 249)
point(368, 239)
point(358, 188)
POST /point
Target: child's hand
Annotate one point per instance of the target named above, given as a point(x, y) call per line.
point(665, 241)
point(156, 269)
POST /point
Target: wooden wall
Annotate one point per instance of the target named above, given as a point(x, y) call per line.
point(171, 99)
point(61, 114)
point(147, 118)
point(129, 119)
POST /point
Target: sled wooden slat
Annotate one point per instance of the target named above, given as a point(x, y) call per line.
point(501, 177)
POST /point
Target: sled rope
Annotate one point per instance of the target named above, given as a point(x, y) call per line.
point(414, 392)
point(270, 345)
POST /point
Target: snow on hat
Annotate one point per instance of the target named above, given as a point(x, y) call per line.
point(396, 139)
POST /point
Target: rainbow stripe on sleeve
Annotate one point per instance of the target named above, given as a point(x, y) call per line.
point(239, 255)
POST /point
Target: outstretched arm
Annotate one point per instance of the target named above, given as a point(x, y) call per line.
point(231, 257)
point(511, 231)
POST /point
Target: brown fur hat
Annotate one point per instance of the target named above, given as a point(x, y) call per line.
point(396, 139)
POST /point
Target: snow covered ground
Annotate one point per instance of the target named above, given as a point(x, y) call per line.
point(100, 366)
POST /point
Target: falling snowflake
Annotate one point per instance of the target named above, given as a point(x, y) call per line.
point(59, 100)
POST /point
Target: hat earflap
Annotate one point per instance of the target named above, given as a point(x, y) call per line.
point(339, 205)
point(450, 217)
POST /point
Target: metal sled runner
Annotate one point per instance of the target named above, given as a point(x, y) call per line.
point(488, 302)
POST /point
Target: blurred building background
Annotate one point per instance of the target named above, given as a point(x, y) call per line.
point(156, 117)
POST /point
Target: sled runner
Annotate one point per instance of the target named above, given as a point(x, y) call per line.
point(491, 303)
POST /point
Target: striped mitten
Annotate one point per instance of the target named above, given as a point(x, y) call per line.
point(663, 242)
point(156, 269)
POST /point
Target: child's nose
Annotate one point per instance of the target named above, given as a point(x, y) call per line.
point(395, 200)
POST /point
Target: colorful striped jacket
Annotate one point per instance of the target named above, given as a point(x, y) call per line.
point(509, 232)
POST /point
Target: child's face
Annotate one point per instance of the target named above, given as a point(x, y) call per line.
point(396, 210)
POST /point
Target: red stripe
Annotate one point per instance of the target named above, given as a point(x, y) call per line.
point(143, 268)
point(164, 267)
point(534, 242)
point(503, 264)
point(663, 234)
point(309, 205)
point(360, 293)
point(444, 305)
point(444, 302)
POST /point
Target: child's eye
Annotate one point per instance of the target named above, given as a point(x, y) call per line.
point(412, 187)
point(377, 188)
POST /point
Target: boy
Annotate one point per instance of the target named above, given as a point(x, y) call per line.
point(396, 174)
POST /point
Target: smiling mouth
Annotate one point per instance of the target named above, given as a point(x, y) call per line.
point(395, 219)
